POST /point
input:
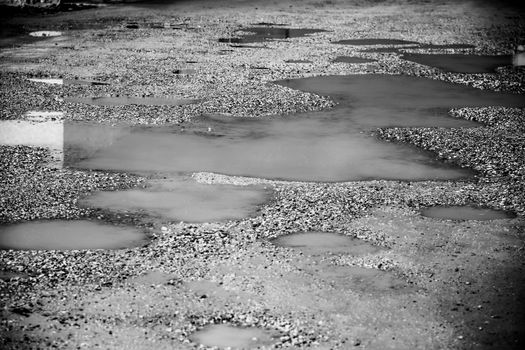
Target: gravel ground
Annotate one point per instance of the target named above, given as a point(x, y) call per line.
point(460, 283)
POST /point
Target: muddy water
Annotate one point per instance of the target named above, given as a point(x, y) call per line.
point(317, 243)
point(68, 235)
point(460, 63)
point(464, 213)
point(122, 101)
point(260, 34)
point(308, 149)
point(226, 336)
point(184, 200)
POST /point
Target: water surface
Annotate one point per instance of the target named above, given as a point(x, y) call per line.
point(183, 199)
point(316, 243)
point(260, 34)
point(457, 63)
point(464, 213)
point(68, 235)
point(226, 336)
point(307, 149)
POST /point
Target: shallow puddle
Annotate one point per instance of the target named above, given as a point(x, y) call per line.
point(316, 243)
point(68, 235)
point(260, 34)
point(374, 41)
point(184, 200)
point(122, 101)
point(298, 61)
point(464, 213)
point(67, 81)
point(308, 149)
point(396, 100)
point(351, 59)
point(226, 336)
point(457, 63)
point(361, 279)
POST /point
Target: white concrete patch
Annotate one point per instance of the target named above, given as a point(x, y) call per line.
point(48, 134)
point(48, 81)
point(40, 116)
point(45, 33)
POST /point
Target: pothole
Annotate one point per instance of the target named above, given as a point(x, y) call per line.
point(68, 235)
point(457, 63)
point(184, 200)
point(259, 34)
point(464, 213)
point(360, 279)
point(227, 336)
point(317, 243)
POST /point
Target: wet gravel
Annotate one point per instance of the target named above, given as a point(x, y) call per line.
point(91, 299)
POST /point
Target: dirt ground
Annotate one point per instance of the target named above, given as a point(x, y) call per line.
point(436, 284)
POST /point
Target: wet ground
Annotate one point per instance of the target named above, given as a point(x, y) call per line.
point(251, 174)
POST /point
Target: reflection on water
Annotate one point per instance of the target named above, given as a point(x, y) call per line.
point(464, 213)
point(460, 63)
point(315, 243)
point(226, 336)
point(68, 235)
point(184, 200)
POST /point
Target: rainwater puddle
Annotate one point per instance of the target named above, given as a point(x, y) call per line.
point(399, 101)
point(68, 235)
point(122, 101)
point(67, 81)
point(351, 59)
point(460, 63)
point(298, 61)
point(306, 149)
point(464, 213)
point(260, 34)
point(184, 200)
point(317, 243)
point(360, 279)
point(374, 41)
point(226, 336)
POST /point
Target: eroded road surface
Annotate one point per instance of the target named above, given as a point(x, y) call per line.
point(262, 174)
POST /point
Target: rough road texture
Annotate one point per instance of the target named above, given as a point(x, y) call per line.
point(457, 285)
